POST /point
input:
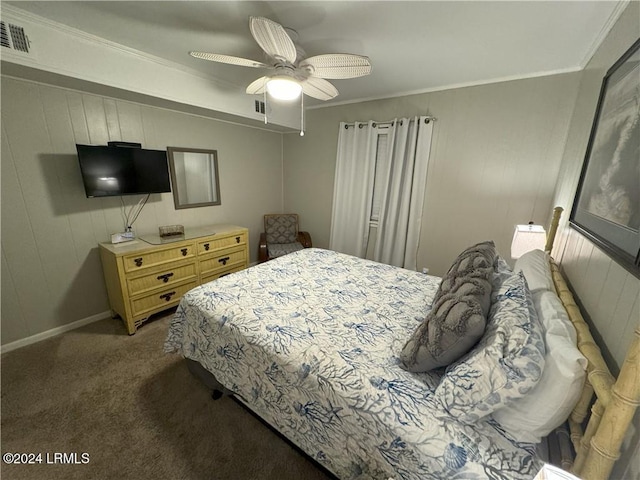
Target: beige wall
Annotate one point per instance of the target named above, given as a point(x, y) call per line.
point(51, 272)
point(494, 161)
point(608, 292)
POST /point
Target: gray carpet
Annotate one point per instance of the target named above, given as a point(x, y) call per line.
point(137, 412)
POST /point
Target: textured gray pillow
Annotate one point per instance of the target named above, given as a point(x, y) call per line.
point(459, 313)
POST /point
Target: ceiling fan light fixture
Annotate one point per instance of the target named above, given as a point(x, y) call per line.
point(284, 88)
point(293, 73)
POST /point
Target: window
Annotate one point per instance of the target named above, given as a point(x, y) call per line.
point(381, 173)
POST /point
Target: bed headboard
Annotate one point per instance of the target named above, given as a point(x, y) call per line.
point(597, 446)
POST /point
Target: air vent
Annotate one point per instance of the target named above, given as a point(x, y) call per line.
point(4, 37)
point(19, 39)
point(259, 106)
point(14, 37)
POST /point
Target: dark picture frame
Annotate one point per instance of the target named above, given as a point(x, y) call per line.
point(606, 208)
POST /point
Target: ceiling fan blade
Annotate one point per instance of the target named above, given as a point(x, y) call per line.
point(217, 57)
point(337, 65)
point(319, 88)
point(257, 86)
point(273, 38)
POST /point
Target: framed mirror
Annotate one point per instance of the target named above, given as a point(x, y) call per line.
point(194, 177)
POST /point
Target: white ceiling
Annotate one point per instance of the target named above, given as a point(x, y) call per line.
point(414, 46)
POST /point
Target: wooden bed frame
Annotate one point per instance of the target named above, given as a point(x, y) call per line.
point(613, 402)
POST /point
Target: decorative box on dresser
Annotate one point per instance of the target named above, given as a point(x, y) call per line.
point(151, 274)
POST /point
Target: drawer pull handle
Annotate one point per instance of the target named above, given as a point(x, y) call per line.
point(138, 261)
point(223, 260)
point(184, 252)
point(237, 239)
point(165, 277)
point(167, 296)
point(206, 246)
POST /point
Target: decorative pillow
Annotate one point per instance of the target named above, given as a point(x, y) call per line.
point(281, 228)
point(534, 416)
point(505, 365)
point(536, 269)
point(458, 315)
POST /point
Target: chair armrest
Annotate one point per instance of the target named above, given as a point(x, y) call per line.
point(263, 253)
point(305, 239)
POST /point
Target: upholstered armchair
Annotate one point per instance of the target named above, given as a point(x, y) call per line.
point(281, 236)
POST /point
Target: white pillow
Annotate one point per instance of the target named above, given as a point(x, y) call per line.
point(536, 269)
point(550, 402)
point(553, 316)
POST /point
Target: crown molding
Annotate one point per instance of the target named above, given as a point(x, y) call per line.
point(606, 28)
point(453, 86)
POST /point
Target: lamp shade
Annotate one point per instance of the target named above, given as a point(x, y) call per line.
point(284, 88)
point(527, 238)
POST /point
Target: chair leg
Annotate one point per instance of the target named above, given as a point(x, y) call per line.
point(263, 252)
point(216, 394)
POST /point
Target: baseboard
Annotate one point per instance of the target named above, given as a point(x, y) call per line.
point(23, 342)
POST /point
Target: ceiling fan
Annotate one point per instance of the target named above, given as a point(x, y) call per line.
point(292, 73)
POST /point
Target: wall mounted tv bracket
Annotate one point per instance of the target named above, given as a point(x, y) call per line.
point(125, 144)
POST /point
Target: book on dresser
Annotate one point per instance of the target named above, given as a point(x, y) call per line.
point(152, 273)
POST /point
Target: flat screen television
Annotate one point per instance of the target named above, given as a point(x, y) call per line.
point(109, 171)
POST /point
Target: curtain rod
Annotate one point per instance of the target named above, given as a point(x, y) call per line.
point(427, 119)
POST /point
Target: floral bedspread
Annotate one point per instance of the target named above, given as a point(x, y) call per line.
point(310, 341)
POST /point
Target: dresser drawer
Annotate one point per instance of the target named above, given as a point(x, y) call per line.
point(154, 258)
point(223, 260)
point(164, 278)
point(162, 299)
point(211, 277)
point(214, 244)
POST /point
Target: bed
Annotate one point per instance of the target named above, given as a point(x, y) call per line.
point(313, 343)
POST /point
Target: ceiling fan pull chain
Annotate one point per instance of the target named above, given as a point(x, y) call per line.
point(264, 88)
point(302, 115)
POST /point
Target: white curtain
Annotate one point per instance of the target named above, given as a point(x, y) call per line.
point(353, 188)
point(401, 210)
point(400, 194)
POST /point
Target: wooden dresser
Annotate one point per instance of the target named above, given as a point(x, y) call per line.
point(145, 277)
